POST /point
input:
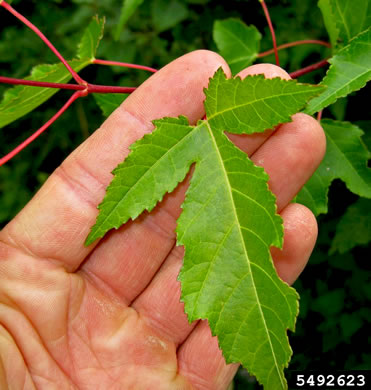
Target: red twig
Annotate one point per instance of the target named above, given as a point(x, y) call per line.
point(308, 69)
point(319, 115)
point(26, 142)
point(292, 44)
point(89, 88)
point(125, 65)
point(9, 8)
point(266, 12)
point(32, 83)
point(93, 88)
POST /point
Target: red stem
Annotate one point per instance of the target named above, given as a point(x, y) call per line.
point(26, 142)
point(292, 44)
point(309, 69)
point(266, 12)
point(9, 8)
point(89, 88)
point(32, 83)
point(124, 64)
point(319, 115)
point(93, 88)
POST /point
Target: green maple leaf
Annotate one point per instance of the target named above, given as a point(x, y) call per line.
point(236, 42)
point(354, 227)
point(89, 43)
point(346, 159)
point(229, 218)
point(350, 70)
point(351, 18)
point(329, 21)
point(20, 100)
point(344, 20)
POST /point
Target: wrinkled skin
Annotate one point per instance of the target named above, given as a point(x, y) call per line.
point(108, 316)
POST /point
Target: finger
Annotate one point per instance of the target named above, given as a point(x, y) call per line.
point(299, 239)
point(137, 250)
point(56, 222)
point(291, 155)
point(200, 359)
point(160, 304)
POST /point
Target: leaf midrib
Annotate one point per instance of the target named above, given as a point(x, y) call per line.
point(256, 101)
point(343, 19)
point(245, 250)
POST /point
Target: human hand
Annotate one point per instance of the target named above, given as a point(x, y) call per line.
point(108, 316)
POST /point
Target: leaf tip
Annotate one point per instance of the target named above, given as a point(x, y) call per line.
point(90, 238)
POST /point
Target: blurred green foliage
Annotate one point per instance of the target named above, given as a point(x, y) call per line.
point(334, 321)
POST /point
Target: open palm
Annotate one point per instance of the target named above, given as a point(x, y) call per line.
point(108, 316)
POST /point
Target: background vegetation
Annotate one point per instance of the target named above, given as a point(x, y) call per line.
point(334, 322)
